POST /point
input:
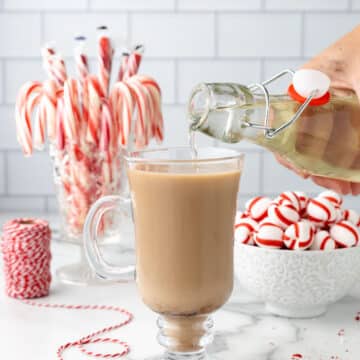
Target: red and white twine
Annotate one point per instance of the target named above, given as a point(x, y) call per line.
point(26, 252)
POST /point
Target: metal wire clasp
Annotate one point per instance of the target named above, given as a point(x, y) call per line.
point(270, 132)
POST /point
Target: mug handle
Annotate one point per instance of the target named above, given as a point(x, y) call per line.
point(91, 226)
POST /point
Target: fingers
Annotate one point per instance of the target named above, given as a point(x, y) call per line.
point(340, 186)
point(288, 165)
point(355, 188)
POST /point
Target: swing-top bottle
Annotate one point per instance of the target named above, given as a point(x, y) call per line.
point(314, 129)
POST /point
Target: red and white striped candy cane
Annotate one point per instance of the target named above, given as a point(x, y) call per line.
point(105, 55)
point(123, 64)
point(122, 99)
point(50, 97)
point(148, 110)
point(134, 61)
point(59, 73)
point(141, 122)
point(48, 55)
point(39, 127)
point(72, 111)
point(157, 121)
point(95, 94)
point(81, 60)
point(27, 99)
point(59, 123)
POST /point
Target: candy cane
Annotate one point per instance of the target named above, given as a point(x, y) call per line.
point(60, 135)
point(48, 53)
point(141, 123)
point(72, 111)
point(95, 93)
point(122, 95)
point(134, 61)
point(49, 101)
point(123, 64)
point(40, 126)
point(81, 60)
point(157, 121)
point(58, 69)
point(27, 99)
point(144, 95)
point(105, 55)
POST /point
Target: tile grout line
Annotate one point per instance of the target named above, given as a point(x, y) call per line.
point(167, 11)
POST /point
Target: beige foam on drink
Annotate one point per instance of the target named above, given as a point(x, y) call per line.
point(184, 238)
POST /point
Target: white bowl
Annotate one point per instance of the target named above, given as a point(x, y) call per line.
point(297, 283)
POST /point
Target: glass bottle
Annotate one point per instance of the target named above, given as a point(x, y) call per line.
point(322, 140)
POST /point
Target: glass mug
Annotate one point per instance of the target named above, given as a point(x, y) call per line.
point(183, 209)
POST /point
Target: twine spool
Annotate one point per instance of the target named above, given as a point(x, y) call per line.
point(26, 252)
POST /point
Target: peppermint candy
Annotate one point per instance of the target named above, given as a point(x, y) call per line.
point(332, 196)
point(323, 241)
point(283, 215)
point(352, 216)
point(299, 236)
point(321, 211)
point(257, 207)
point(240, 215)
point(245, 229)
point(292, 197)
point(269, 235)
point(303, 198)
point(345, 234)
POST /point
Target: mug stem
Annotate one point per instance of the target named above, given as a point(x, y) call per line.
point(185, 337)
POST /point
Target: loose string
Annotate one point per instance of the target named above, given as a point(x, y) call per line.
point(92, 338)
point(26, 253)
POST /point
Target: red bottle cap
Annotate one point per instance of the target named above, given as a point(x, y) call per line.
point(314, 102)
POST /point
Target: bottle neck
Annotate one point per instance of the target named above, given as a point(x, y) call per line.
point(222, 110)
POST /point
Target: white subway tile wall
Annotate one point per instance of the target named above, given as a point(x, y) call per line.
point(187, 41)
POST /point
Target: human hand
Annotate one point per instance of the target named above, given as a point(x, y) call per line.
point(341, 62)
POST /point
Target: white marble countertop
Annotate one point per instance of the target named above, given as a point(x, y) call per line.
point(244, 330)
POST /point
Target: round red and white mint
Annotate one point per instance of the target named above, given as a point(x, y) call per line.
point(345, 234)
point(257, 207)
point(269, 235)
point(321, 211)
point(323, 241)
point(304, 199)
point(299, 236)
point(283, 215)
point(245, 229)
point(240, 215)
point(332, 196)
point(292, 197)
point(352, 216)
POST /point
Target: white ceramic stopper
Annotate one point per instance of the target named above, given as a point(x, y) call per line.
point(307, 80)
